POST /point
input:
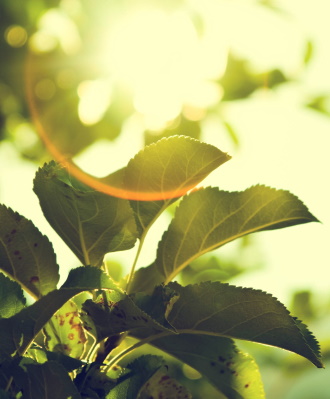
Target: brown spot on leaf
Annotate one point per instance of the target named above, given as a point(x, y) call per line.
point(71, 336)
point(246, 385)
point(34, 279)
point(13, 231)
point(16, 252)
point(35, 244)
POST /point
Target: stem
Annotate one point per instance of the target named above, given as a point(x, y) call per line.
point(91, 351)
point(11, 378)
point(138, 252)
point(113, 362)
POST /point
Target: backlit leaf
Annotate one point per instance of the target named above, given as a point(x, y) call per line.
point(89, 222)
point(163, 386)
point(65, 332)
point(168, 169)
point(11, 297)
point(241, 313)
point(17, 332)
point(209, 218)
point(231, 371)
point(26, 255)
point(135, 376)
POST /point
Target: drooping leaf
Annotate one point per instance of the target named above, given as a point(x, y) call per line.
point(166, 170)
point(209, 218)
point(18, 331)
point(135, 376)
point(242, 313)
point(11, 297)
point(103, 320)
point(89, 222)
point(163, 386)
point(49, 381)
point(26, 255)
point(231, 371)
point(65, 332)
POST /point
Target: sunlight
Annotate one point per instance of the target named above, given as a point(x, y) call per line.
point(159, 55)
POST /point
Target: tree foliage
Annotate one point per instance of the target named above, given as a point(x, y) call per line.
point(57, 338)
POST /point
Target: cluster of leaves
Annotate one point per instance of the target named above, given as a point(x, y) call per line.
point(71, 342)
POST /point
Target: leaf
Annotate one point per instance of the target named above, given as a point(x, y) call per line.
point(209, 218)
point(11, 297)
point(163, 386)
point(166, 170)
point(89, 222)
point(103, 320)
point(136, 375)
point(65, 332)
point(146, 278)
point(241, 313)
point(231, 371)
point(26, 255)
point(17, 332)
point(49, 381)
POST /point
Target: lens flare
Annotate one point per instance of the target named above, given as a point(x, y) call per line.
point(157, 56)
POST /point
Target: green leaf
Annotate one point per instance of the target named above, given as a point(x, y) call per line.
point(11, 297)
point(166, 170)
point(65, 332)
point(242, 313)
point(120, 314)
point(136, 375)
point(231, 371)
point(209, 218)
point(18, 332)
point(89, 222)
point(26, 255)
point(49, 381)
point(163, 386)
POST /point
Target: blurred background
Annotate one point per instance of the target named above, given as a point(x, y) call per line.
point(99, 80)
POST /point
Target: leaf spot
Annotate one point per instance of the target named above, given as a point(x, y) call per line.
point(71, 336)
point(34, 279)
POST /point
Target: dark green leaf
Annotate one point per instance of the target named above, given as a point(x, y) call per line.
point(17, 332)
point(136, 375)
point(26, 255)
point(209, 218)
point(115, 316)
point(146, 278)
point(167, 169)
point(241, 313)
point(11, 297)
point(49, 381)
point(231, 371)
point(90, 223)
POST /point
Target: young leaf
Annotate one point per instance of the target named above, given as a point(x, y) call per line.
point(11, 297)
point(26, 255)
point(65, 332)
point(136, 375)
point(231, 371)
point(209, 218)
point(17, 332)
point(89, 222)
point(50, 381)
point(166, 170)
point(242, 313)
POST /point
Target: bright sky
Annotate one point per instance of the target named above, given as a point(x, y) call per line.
point(282, 143)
